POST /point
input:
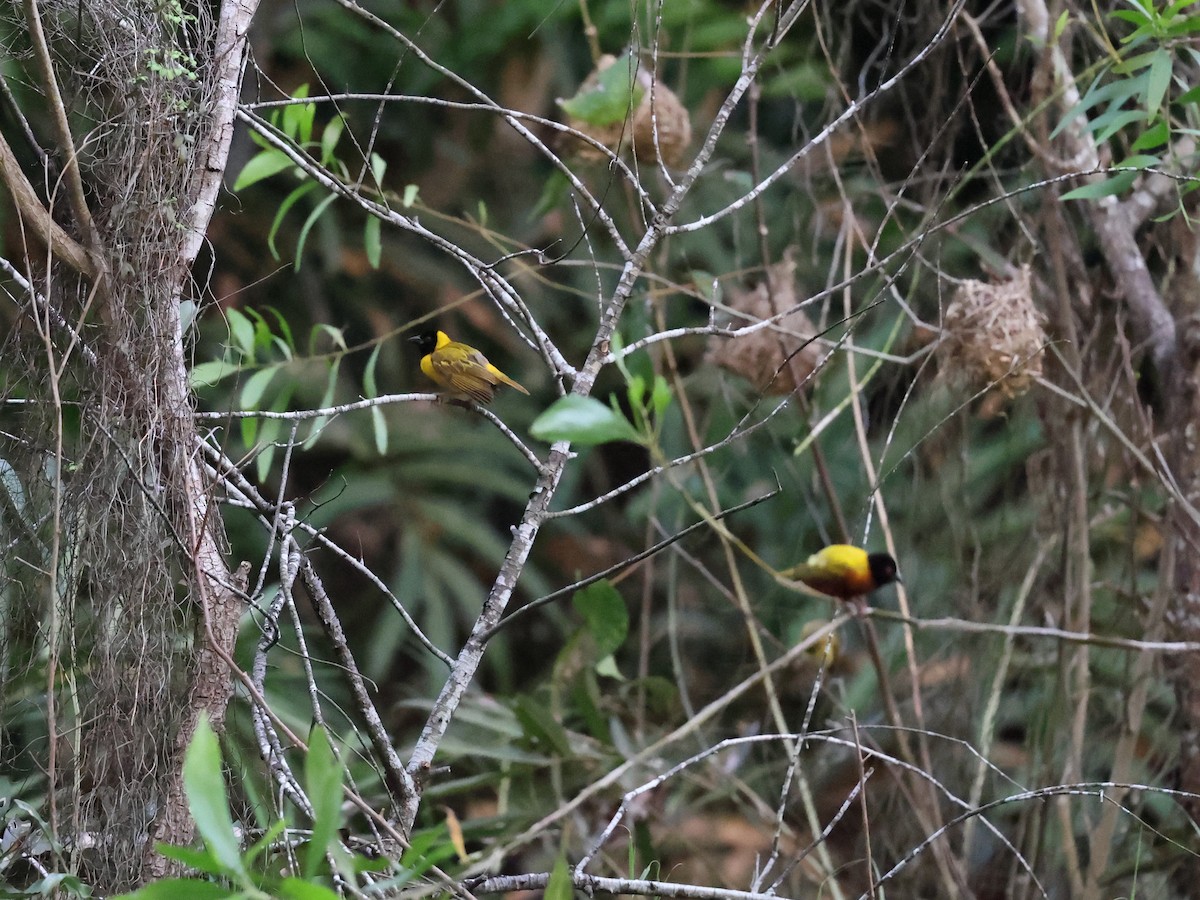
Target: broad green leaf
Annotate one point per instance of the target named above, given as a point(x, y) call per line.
point(323, 782)
point(330, 137)
point(209, 373)
point(582, 420)
point(255, 386)
point(604, 611)
point(373, 241)
point(1156, 135)
point(299, 889)
point(199, 860)
point(208, 800)
point(179, 889)
point(410, 195)
point(1119, 183)
point(260, 166)
point(615, 94)
point(1191, 95)
point(241, 332)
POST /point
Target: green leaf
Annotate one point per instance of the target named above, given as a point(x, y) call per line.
point(539, 723)
point(379, 428)
point(326, 400)
point(308, 224)
point(297, 119)
point(208, 800)
point(241, 332)
point(260, 166)
point(1061, 25)
point(615, 94)
point(378, 167)
point(661, 398)
point(1117, 184)
point(410, 195)
point(582, 420)
point(373, 241)
point(323, 780)
point(330, 137)
point(298, 889)
point(1156, 135)
point(255, 386)
point(288, 202)
point(199, 860)
point(1192, 95)
point(559, 886)
point(179, 889)
point(1159, 81)
point(209, 373)
point(605, 614)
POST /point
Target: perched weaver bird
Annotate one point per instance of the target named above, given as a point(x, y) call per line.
point(844, 571)
point(459, 368)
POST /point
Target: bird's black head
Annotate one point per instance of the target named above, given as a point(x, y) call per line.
point(426, 341)
point(883, 569)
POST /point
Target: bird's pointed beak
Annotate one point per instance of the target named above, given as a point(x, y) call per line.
point(415, 339)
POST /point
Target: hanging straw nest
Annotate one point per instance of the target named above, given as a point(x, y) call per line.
point(600, 110)
point(994, 335)
point(775, 360)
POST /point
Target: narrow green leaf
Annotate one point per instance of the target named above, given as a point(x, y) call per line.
point(582, 420)
point(326, 400)
point(373, 241)
point(661, 398)
point(604, 612)
point(559, 886)
point(308, 224)
point(379, 427)
point(1159, 81)
point(335, 334)
point(378, 167)
point(260, 166)
point(539, 723)
point(208, 799)
point(323, 781)
point(288, 202)
point(1061, 25)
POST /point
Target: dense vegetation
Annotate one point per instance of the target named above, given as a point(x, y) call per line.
point(916, 277)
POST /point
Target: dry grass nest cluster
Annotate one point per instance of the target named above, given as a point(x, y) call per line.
point(994, 335)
